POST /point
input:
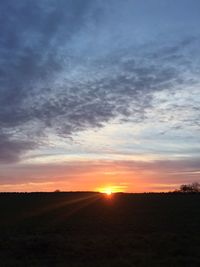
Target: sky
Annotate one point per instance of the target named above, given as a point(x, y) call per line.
point(99, 93)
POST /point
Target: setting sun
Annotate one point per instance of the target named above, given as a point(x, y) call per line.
point(108, 191)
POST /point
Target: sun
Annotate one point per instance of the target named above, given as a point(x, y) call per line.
point(108, 191)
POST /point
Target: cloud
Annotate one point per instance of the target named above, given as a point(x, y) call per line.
point(138, 176)
point(67, 66)
point(11, 149)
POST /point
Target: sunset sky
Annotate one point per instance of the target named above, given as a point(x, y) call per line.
point(99, 93)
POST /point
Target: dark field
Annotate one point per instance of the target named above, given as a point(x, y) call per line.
point(88, 229)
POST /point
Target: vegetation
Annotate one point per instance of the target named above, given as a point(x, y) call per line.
point(190, 188)
point(92, 230)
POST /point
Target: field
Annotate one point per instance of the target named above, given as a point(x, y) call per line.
point(92, 230)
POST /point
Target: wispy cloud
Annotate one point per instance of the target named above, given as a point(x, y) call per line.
point(68, 68)
point(87, 175)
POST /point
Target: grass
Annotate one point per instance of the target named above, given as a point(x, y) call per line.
point(87, 229)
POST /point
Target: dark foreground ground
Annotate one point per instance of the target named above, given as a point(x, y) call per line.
point(90, 230)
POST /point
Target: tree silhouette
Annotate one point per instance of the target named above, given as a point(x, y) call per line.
point(190, 188)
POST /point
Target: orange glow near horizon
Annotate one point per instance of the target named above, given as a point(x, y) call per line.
point(109, 190)
point(102, 176)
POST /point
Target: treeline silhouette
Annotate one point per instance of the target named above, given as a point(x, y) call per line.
point(189, 188)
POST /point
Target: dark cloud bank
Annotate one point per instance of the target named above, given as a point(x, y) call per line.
point(72, 65)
